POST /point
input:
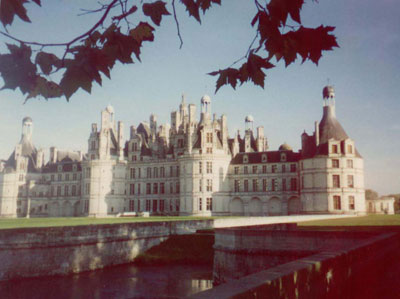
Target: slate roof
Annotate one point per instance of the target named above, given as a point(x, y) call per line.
point(272, 157)
point(329, 127)
point(29, 151)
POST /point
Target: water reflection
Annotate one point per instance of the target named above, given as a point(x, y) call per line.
point(117, 282)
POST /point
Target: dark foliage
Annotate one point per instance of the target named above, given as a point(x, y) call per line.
point(96, 51)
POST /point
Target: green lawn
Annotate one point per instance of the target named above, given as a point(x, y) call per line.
point(71, 221)
point(370, 220)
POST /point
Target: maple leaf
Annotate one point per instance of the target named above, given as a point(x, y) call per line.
point(74, 78)
point(252, 69)
point(226, 76)
point(206, 4)
point(192, 8)
point(142, 32)
point(280, 9)
point(46, 61)
point(155, 11)
point(10, 8)
point(16, 68)
point(45, 88)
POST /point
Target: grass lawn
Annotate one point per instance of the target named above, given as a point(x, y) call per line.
point(370, 220)
point(71, 221)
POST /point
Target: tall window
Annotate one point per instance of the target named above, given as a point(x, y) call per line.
point(273, 169)
point(293, 184)
point(209, 185)
point(246, 186)
point(255, 185)
point(200, 185)
point(336, 181)
point(171, 188)
point(133, 170)
point(264, 169)
point(293, 167)
point(155, 172)
point(162, 188)
point(74, 177)
point(131, 205)
point(140, 173)
point(265, 188)
point(350, 181)
point(351, 203)
point(87, 174)
point(86, 206)
point(155, 188)
point(209, 204)
point(138, 189)
point(200, 204)
point(236, 170)
point(337, 205)
point(59, 176)
point(209, 167)
point(66, 191)
point(148, 188)
point(283, 168)
point(67, 177)
point(178, 189)
point(209, 150)
point(162, 172)
point(177, 170)
point(87, 189)
point(237, 186)
point(283, 184)
point(349, 149)
point(132, 189)
point(162, 205)
point(335, 163)
point(349, 163)
point(200, 167)
point(134, 147)
point(171, 171)
point(209, 137)
point(180, 143)
point(245, 170)
point(273, 185)
point(334, 148)
point(155, 205)
point(73, 190)
point(148, 172)
point(148, 204)
point(255, 169)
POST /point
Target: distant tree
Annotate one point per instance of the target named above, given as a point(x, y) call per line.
point(278, 35)
point(396, 201)
point(371, 194)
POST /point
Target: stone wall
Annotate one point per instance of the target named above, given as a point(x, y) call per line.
point(62, 250)
point(357, 271)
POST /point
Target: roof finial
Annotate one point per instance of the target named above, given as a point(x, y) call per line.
point(183, 98)
point(328, 81)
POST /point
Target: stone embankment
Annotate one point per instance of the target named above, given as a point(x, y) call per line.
point(32, 252)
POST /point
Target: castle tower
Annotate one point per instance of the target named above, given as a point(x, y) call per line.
point(332, 170)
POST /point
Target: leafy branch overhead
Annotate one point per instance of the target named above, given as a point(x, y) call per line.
point(31, 65)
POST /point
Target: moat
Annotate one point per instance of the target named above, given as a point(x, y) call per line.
point(128, 281)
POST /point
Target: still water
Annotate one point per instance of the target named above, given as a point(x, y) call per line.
point(126, 281)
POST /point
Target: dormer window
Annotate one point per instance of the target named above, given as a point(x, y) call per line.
point(283, 157)
point(245, 159)
point(264, 158)
point(74, 167)
point(134, 146)
point(59, 168)
point(334, 149)
point(349, 149)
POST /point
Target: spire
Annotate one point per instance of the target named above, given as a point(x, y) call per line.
point(329, 127)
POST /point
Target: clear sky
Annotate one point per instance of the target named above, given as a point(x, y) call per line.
point(364, 71)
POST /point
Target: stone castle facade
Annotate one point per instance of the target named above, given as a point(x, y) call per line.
point(190, 167)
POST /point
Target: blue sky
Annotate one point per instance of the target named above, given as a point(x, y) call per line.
point(364, 72)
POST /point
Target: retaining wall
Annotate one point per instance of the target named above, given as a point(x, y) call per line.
point(353, 272)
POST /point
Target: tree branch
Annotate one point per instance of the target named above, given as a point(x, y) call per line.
point(177, 24)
